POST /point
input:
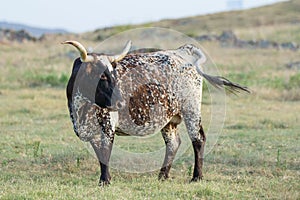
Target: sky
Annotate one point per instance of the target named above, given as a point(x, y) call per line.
point(88, 15)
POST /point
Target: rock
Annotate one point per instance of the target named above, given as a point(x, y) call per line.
point(227, 36)
point(293, 65)
point(229, 39)
point(252, 43)
point(290, 45)
point(15, 36)
point(242, 44)
point(264, 44)
point(206, 38)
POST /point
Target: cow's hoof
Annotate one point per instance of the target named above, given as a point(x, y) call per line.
point(162, 176)
point(103, 183)
point(196, 179)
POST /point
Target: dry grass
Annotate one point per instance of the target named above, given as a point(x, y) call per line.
point(256, 156)
point(278, 22)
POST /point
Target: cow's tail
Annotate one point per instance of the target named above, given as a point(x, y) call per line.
point(221, 82)
point(217, 81)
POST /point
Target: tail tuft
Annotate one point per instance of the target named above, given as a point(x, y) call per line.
point(221, 82)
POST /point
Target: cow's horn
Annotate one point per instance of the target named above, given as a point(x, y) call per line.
point(120, 56)
point(83, 53)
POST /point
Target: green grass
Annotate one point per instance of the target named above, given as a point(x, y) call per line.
point(255, 157)
point(41, 158)
point(46, 79)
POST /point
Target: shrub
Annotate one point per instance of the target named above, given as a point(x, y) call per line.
point(50, 79)
point(294, 81)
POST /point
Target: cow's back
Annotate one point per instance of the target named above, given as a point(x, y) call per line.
point(153, 89)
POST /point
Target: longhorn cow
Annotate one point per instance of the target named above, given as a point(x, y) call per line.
point(139, 94)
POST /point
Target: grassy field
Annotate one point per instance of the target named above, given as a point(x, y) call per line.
point(256, 155)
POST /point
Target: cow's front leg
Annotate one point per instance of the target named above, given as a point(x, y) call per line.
point(172, 141)
point(102, 147)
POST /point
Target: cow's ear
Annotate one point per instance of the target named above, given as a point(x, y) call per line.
point(106, 63)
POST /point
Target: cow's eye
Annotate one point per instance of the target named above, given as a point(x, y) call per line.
point(103, 77)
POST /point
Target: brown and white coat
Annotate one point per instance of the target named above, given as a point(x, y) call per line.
point(139, 94)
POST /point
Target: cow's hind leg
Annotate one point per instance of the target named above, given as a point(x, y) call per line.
point(172, 141)
point(198, 138)
point(102, 147)
point(198, 146)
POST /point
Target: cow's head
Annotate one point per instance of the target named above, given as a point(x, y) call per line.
point(93, 75)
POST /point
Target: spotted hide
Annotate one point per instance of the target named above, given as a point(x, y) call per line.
point(139, 94)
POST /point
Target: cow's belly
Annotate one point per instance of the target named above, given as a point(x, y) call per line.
point(136, 130)
point(141, 124)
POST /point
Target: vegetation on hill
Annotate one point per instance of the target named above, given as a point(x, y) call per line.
point(7, 35)
point(276, 22)
point(34, 31)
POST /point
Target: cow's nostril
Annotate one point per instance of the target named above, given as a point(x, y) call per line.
point(119, 105)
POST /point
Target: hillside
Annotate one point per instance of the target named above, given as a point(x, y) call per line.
point(277, 14)
point(34, 31)
point(279, 22)
point(256, 23)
